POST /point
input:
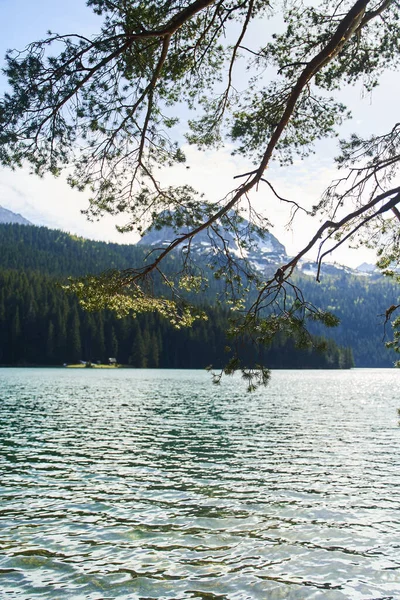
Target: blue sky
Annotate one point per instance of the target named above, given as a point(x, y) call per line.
point(50, 202)
point(23, 21)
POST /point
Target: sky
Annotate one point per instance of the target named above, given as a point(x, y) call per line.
point(50, 202)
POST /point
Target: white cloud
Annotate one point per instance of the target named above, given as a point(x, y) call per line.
point(51, 202)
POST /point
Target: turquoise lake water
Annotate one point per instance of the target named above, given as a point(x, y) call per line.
point(141, 484)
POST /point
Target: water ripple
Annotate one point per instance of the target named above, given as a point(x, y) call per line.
point(157, 485)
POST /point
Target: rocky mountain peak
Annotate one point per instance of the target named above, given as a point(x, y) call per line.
point(263, 251)
point(7, 216)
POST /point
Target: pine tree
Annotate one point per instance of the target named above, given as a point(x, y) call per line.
point(154, 354)
point(50, 343)
point(138, 357)
point(74, 348)
point(15, 336)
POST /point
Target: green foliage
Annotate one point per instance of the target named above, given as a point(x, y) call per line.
point(386, 264)
point(105, 291)
point(314, 118)
point(364, 56)
point(395, 342)
point(117, 95)
point(254, 377)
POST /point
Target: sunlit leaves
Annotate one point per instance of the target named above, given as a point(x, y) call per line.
point(124, 297)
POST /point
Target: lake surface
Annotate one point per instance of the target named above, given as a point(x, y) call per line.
point(141, 484)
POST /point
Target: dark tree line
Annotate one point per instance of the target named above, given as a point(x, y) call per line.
point(360, 304)
point(41, 325)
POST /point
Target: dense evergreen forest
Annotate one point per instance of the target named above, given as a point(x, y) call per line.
point(40, 324)
point(360, 303)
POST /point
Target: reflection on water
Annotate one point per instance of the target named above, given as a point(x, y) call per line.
point(155, 484)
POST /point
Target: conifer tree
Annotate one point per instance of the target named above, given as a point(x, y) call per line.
point(50, 343)
point(74, 352)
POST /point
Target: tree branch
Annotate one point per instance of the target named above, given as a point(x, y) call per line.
point(337, 225)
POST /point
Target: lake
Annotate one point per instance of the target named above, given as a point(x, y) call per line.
point(142, 484)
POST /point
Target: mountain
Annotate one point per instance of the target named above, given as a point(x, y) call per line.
point(265, 254)
point(7, 216)
point(367, 268)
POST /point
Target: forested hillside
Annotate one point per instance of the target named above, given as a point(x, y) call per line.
point(40, 324)
point(360, 303)
point(59, 254)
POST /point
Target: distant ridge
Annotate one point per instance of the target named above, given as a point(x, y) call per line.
point(7, 216)
point(367, 268)
point(265, 255)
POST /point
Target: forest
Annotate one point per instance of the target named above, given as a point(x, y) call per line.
point(41, 324)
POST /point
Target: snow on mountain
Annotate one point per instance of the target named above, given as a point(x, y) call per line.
point(266, 253)
point(335, 269)
point(262, 253)
point(7, 216)
point(367, 268)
